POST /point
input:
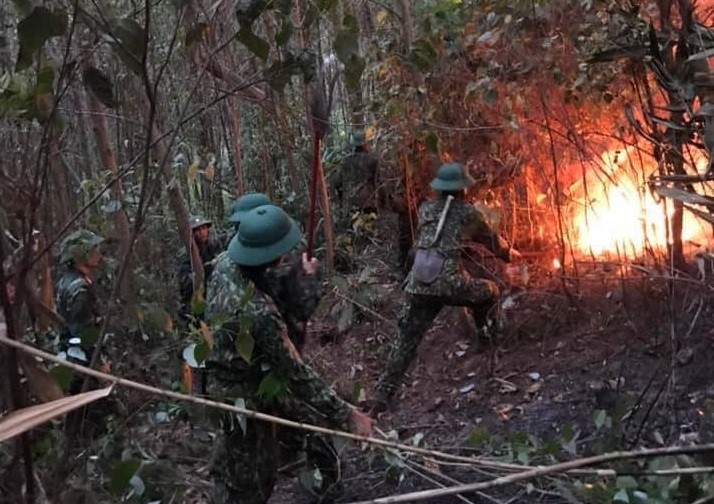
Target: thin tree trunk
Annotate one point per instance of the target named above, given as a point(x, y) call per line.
point(407, 31)
point(58, 177)
point(328, 225)
point(230, 110)
point(109, 160)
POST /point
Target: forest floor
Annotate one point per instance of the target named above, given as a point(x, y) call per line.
point(628, 344)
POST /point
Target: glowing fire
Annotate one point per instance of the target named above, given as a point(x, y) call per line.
point(618, 214)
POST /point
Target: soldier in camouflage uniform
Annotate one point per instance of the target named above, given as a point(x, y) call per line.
point(267, 373)
point(74, 290)
point(355, 186)
point(355, 182)
point(438, 277)
point(295, 302)
point(207, 250)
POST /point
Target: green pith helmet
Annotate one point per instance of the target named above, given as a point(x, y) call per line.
point(244, 204)
point(77, 246)
point(358, 138)
point(451, 177)
point(265, 234)
point(196, 221)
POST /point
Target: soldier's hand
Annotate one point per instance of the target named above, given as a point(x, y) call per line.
point(309, 266)
point(360, 423)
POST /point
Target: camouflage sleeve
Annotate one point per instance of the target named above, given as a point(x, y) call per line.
point(308, 398)
point(479, 231)
point(295, 293)
point(81, 311)
point(185, 278)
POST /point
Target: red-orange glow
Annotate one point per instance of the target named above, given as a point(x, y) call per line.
point(617, 214)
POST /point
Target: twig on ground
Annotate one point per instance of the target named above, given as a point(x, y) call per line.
point(365, 308)
point(542, 471)
point(431, 480)
point(451, 480)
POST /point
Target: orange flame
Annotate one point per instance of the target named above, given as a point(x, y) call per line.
point(619, 215)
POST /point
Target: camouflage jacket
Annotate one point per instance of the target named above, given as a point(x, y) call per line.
point(463, 224)
point(355, 183)
point(295, 294)
point(185, 274)
point(77, 303)
point(275, 378)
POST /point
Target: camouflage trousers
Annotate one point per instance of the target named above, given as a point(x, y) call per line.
point(245, 466)
point(414, 320)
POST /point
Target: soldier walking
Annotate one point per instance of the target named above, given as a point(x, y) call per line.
point(296, 295)
point(268, 373)
point(76, 298)
point(438, 277)
point(355, 186)
point(207, 251)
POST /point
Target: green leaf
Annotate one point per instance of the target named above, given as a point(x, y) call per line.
point(198, 302)
point(201, 352)
point(310, 17)
point(15, 100)
point(89, 336)
point(158, 319)
point(127, 38)
point(195, 34)
point(353, 71)
point(254, 43)
point(346, 44)
point(100, 86)
point(284, 34)
point(244, 343)
point(122, 474)
point(479, 436)
point(45, 82)
point(349, 22)
point(431, 141)
point(271, 388)
point(247, 295)
point(63, 375)
point(602, 418)
point(355, 392)
point(247, 12)
point(34, 30)
point(422, 55)
point(279, 73)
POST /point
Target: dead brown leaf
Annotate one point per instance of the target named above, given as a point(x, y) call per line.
point(25, 419)
point(42, 384)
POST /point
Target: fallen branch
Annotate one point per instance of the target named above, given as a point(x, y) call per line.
point(246, 412)
point(541, 471)
point(364, 308)
point(526, 472)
